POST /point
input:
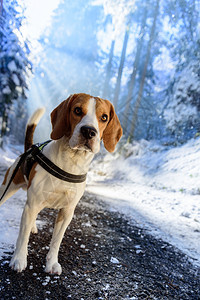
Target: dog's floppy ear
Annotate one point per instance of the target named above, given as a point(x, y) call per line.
point(113, 131)
point(60, 119)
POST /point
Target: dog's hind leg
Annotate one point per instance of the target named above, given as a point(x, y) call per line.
point(19, 259)
point(15, 185)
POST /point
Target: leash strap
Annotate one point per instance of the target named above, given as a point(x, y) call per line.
point(54, 170)
point(21, 160)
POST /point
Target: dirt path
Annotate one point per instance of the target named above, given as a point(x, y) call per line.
point(103, 257)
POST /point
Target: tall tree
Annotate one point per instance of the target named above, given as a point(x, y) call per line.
point(142, 82)
point(106, 90)
point(181, 110)
point(119, 13)
point(14, 64)
point(120, 70)
point(135, 66)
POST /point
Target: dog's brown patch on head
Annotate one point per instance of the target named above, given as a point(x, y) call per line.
point(63, 118)
point(60, 118)
point(102, 108)
point(6, 177)
point(81, 102)
point(32, 174)
point(111, 130)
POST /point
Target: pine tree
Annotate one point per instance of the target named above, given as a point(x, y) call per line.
point(14, 64)
point(182, 106)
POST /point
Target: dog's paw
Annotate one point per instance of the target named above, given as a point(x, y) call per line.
point(18, 263)
point(54, 268)
point(34, 229)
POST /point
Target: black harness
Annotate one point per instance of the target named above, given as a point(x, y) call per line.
point(33, 155)
point(36, 155)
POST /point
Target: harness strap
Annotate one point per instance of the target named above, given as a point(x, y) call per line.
point(34, 153)
point(54, 170)
point(41, 146)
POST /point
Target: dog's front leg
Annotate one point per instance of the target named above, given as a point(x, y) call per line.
point(63, 219)
point(19, 259)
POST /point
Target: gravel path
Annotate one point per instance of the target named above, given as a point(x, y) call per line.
point(103, 256)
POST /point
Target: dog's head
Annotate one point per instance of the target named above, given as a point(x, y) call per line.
point(86, 120)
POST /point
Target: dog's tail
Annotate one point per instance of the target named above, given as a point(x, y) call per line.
point(30, 127)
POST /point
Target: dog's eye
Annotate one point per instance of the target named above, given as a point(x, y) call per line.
point(78, 111)
point(104, 118)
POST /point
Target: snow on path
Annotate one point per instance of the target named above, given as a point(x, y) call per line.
point(10, 212)
point(158, 188)
point(10, 215)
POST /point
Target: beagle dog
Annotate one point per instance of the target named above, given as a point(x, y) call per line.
point(78, 126)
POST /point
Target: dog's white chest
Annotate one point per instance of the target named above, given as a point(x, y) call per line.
point(60, 199)
point(53, 192)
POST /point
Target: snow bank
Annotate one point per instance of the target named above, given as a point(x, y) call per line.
point(182, 106)
point(158, 187)
point(10, 212)
point(7, 157)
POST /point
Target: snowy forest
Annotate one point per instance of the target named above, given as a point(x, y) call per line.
point(135, 233)
point(141, 55)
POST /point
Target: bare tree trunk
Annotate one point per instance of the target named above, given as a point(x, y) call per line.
point(108, 71)
point(135, 67)
point(1, 6)
point(121, 66)
point(140, 93)
point(4, 120)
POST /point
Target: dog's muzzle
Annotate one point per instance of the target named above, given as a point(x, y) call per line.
point(88, 132)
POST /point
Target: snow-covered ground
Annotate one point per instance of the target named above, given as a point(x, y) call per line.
point(156, 186)
point(10, 212)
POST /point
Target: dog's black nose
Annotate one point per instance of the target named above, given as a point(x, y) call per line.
point(88, 132)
